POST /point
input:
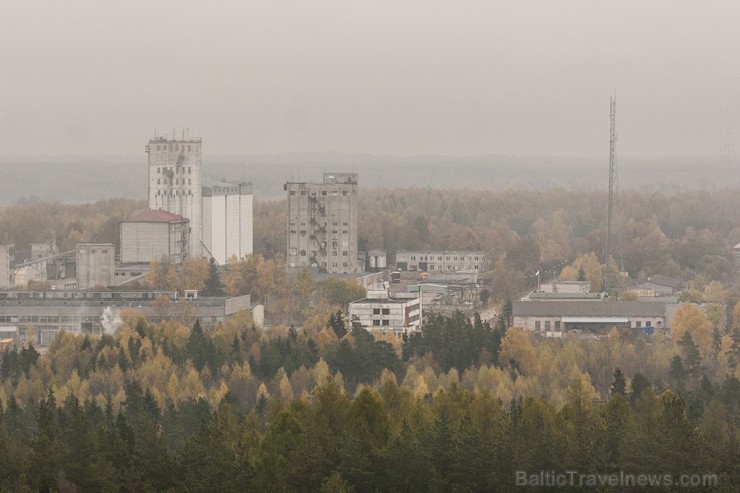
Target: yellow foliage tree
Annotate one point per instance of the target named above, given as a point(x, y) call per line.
point(517, 352)
point(692, 319)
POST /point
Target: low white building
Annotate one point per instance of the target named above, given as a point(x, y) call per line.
point(435, 261)
point(227, 219)
point(398, 315)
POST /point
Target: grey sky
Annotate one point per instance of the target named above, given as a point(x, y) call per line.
point(375, 76)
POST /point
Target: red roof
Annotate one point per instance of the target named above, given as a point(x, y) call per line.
point(156, 216)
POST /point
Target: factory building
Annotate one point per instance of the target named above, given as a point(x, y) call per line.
point(38, 316)
point(175, 170)
point(227, 219)
point(7, 264)
point(153, 234)
point(95, 265)
point(322, 224)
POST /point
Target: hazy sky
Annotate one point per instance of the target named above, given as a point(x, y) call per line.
point(375, 76)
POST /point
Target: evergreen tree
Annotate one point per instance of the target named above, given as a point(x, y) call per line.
point(214, 285)
point(619, 385)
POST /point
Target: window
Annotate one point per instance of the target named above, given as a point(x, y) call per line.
point(103, 251)
point(547, 325)
point(386, 322)
point(157, 147)
point(376, 311)
point(188, 169)
point(344, 192)
point(323, 192)
point(292, 192)
point(648, 323)
point(345, 253)
point(557, 325)
point(537, 325)
point(376, 322)
point(386, 311)
point(638, 324)
point(158, 170)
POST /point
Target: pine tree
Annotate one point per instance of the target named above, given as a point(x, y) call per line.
point(619, 385)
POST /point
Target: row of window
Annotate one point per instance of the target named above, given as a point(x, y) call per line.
point(177, 170)
point(381, 322)
point(384, 311)
point(177, 181)
point(173, 147)
point(323, 193)
point(421, 257)
point(176, 192)
point(538, 324)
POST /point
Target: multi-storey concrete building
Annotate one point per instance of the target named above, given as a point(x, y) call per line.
point(322, 224)
point(95, 265)
point(152, 234)
point(7, 264)
point(227, 219)
point(175, 171)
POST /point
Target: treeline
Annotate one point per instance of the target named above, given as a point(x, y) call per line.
point(461, 407)
point(688, 235)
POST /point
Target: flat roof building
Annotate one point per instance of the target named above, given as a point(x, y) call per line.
point(322, 224)
point(40, 315)
point(440, 261)
point(397, 315)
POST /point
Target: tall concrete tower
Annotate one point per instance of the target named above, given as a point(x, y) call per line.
point(175, 176)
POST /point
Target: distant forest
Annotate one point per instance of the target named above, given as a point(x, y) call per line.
point(90, 178)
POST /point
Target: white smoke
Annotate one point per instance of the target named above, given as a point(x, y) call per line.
point(110, 320)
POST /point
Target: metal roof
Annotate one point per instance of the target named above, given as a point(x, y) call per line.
point(155, 216)
point(589, 309)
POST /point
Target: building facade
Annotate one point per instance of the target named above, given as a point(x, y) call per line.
point(95, 265)
point(152, 234)
point(38, 316)
point(322, 224)
point(591, 316)
point(227, 219)
point(434, 261)
point(397, 315)
point(7, 266)
point(175, 176)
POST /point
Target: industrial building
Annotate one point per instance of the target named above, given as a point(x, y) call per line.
point(591, 316)
point(322, 224)
point(435, 261)
point(227, 219)
point(7, 266)
point(38, 316)
point(95, 265)
point(175, 170)
point(153, 234)
point(397, 315)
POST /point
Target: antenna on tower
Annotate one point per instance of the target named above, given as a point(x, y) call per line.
point(608, 281)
